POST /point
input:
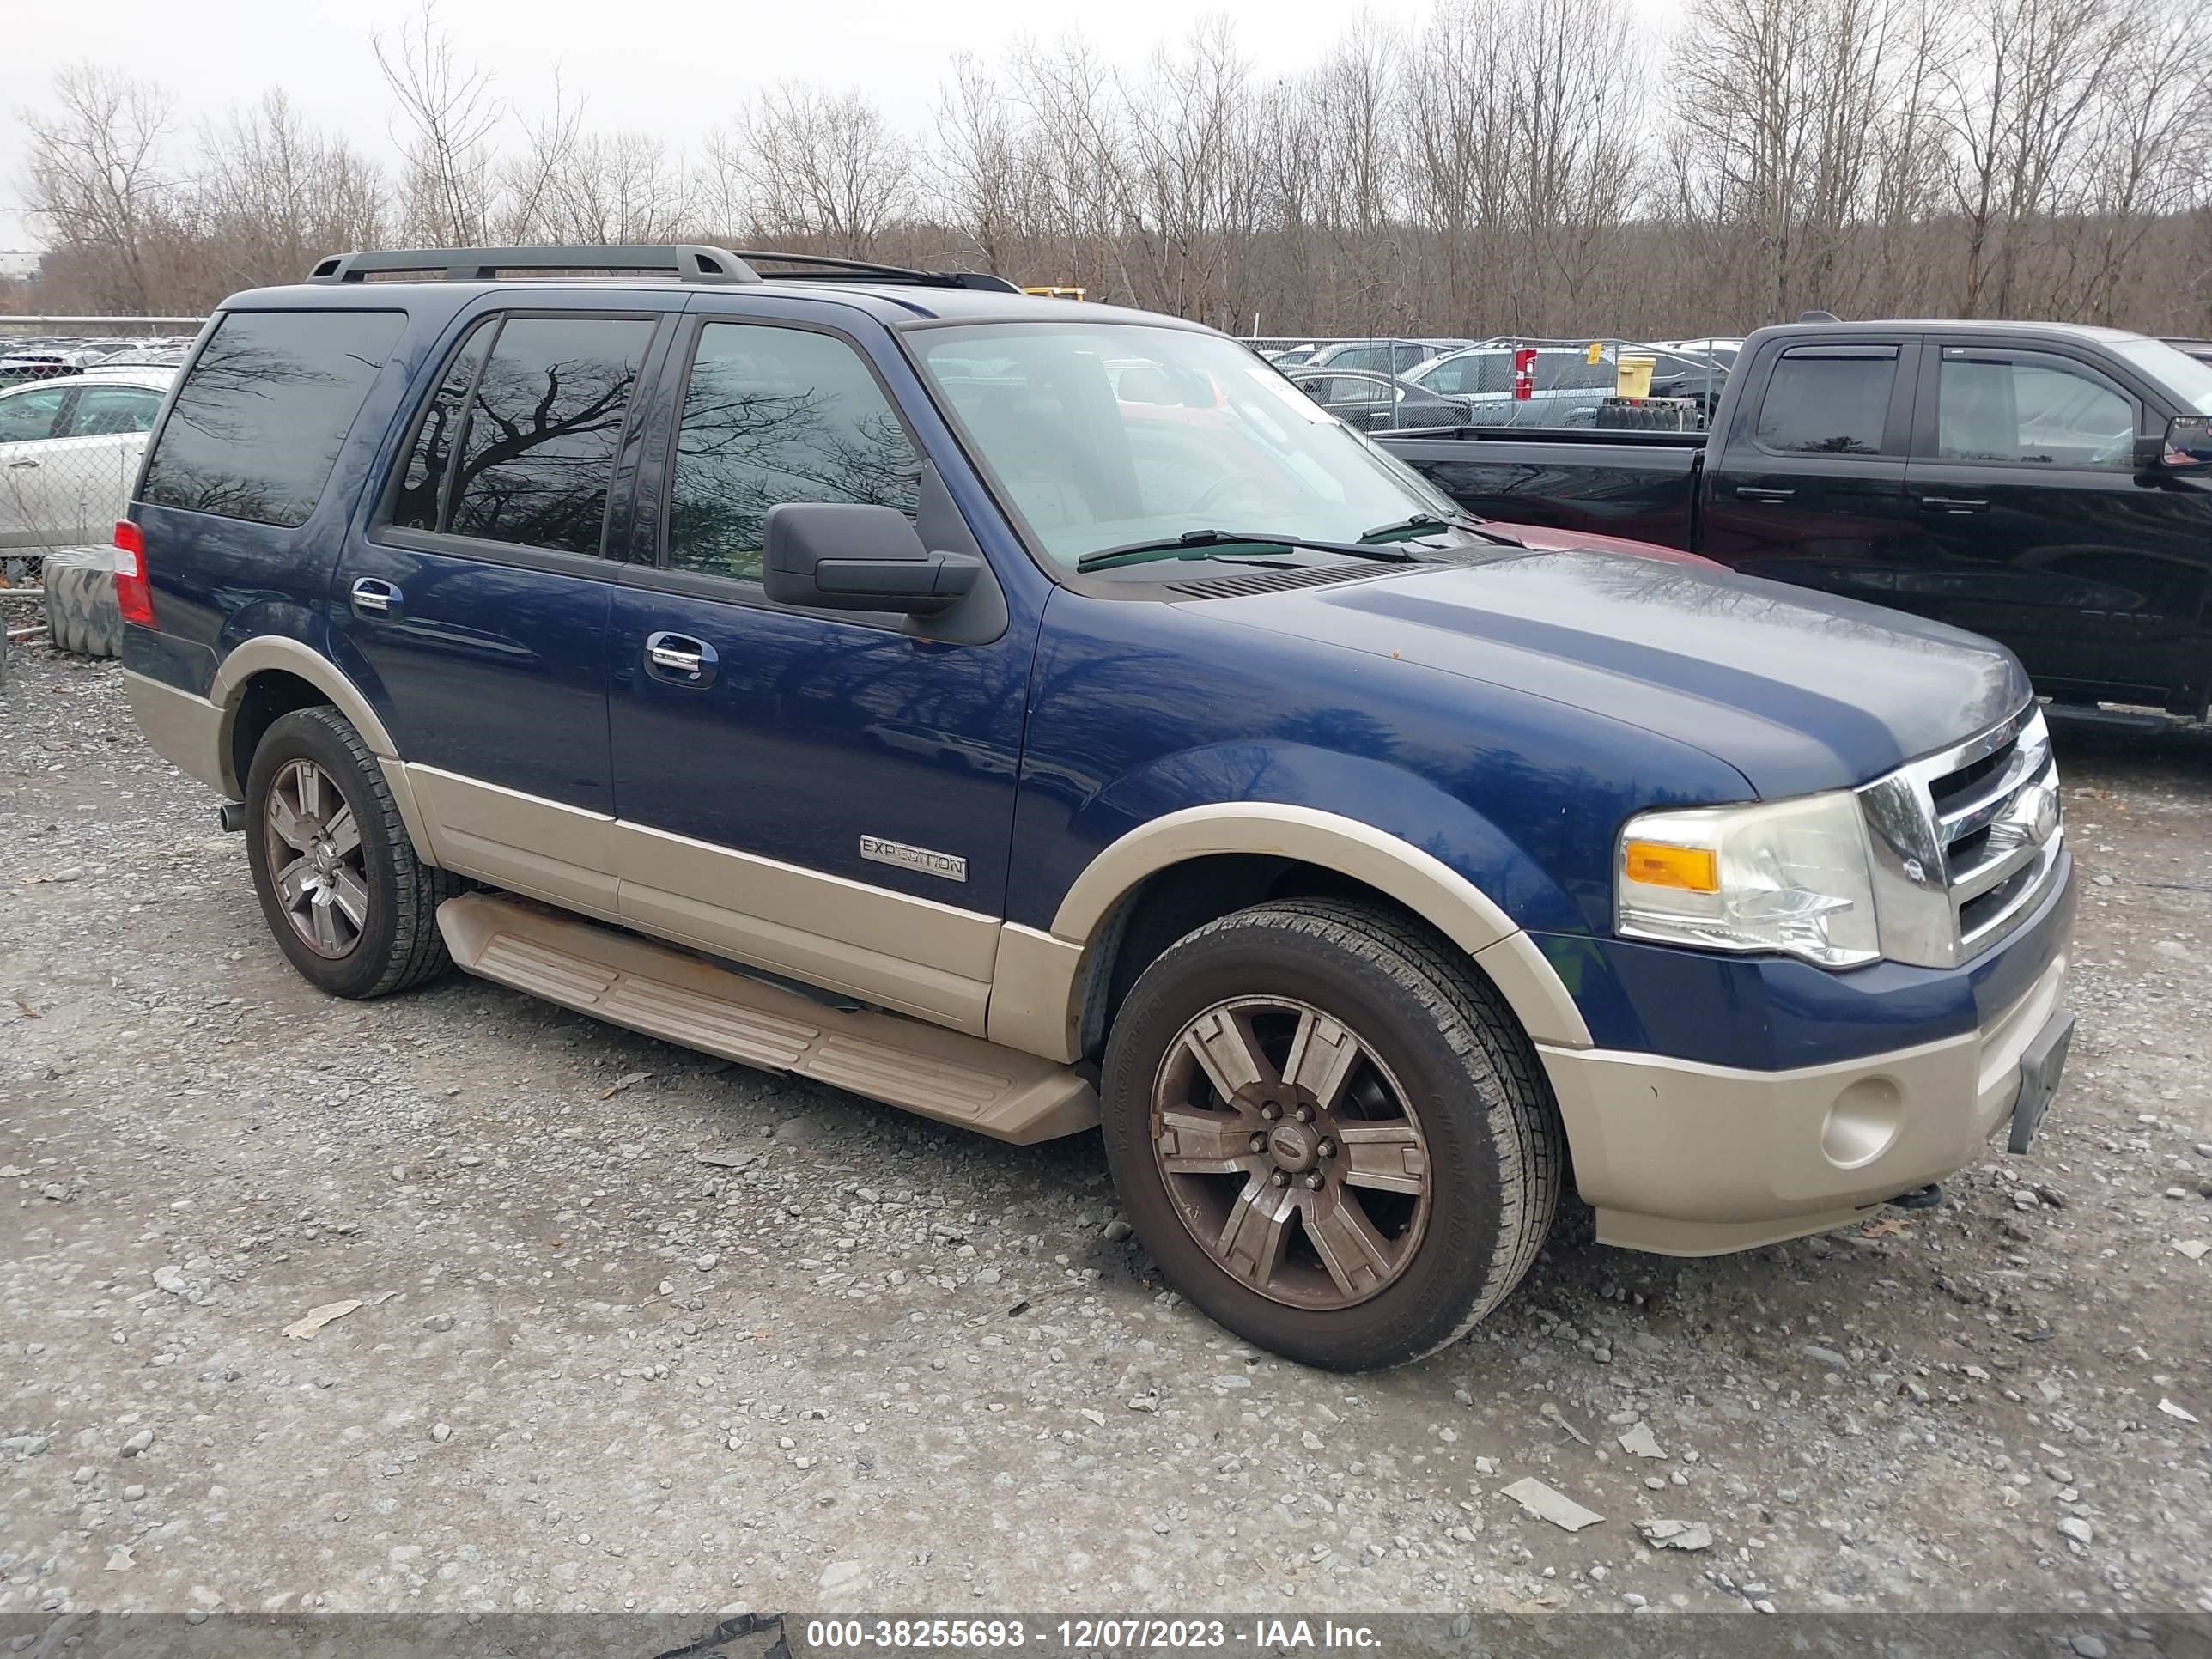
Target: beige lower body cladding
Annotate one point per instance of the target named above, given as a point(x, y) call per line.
point(1689, 1159)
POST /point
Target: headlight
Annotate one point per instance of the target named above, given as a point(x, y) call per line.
point(1788, 875)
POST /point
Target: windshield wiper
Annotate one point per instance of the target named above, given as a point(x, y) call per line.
point(1196, 543)
point(1428, 523)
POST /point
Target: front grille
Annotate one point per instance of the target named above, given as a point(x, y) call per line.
point(1965, 841)
point(1947, 790)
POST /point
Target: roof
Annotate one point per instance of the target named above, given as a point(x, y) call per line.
point(894, 304)
point(155, 379)
point(1963, 324)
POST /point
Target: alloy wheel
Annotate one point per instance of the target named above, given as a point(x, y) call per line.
point(1290, 1153)
point(315, 858)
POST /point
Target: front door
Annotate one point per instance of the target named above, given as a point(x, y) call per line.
point(2024, 485)
point(474, 616)
point(1810, 485)
point(821, 794)
point(30, 422)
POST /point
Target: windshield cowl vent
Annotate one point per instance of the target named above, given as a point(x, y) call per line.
point(1275, 581)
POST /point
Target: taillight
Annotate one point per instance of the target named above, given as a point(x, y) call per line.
point(134, 595)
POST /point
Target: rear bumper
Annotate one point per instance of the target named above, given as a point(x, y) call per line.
point(1686, 1158)
point(183, 729)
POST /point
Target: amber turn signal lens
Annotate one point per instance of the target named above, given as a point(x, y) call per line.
point(1693, 869)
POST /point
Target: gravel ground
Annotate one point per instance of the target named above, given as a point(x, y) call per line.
point(620, 1326)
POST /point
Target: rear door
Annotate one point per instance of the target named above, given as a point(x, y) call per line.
point(474, 613)
point(1809, 486)
point(2045, 536)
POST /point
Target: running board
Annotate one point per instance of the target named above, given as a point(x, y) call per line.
point(682, 998)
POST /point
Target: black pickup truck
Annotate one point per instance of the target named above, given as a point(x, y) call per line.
point(2048, 485)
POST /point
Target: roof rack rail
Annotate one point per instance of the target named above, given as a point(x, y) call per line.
point(828, 265)
point(692, 264)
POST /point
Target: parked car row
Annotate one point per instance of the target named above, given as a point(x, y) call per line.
point(1381, 386)
point(52, 357)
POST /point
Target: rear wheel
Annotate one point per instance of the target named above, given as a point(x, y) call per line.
point(1330, 1133)
point(349, 903)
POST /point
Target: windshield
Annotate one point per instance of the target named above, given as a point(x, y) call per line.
point(2177, 371)
point(1102, 436)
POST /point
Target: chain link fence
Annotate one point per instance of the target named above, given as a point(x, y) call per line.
point(78, 396)
point(1385, 383)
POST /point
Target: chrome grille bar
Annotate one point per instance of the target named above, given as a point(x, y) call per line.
point(2003, 838)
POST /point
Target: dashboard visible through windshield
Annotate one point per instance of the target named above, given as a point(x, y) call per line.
point(1101, 435)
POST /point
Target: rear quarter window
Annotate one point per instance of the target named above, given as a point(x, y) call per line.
point(264, 410)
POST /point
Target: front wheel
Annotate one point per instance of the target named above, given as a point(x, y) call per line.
point(351, 906)
point(1330, 1133)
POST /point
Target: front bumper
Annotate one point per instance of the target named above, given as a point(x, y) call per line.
point(1684, 1158)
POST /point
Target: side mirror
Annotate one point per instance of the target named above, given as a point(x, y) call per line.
point(2187, 446)
point(834, 555)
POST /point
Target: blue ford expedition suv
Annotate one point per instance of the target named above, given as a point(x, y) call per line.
point(1039, 715)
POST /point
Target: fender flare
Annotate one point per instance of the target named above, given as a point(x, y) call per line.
point(1042, 977)
point(268, 652)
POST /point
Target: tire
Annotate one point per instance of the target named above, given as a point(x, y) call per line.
point(81, 613)
point(394, 942)
point(1443, 1079)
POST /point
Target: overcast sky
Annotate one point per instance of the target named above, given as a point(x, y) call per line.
point(671, 69)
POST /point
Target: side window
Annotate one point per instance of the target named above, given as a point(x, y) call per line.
point(1453, 377)
point(537, 451)
point(421, 499)
point(29, 415)
point(774, 415)
point(259, 421)
point(104, 410)
point(2029, 408)
point(1828, 400)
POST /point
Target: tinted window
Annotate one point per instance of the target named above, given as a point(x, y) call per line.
point(2028, 408)
point(104, 410)
point(30, 414)
point(421, 486)
point(258, 425)
point(775, 415)
point(1831, 405)
point(538, 450)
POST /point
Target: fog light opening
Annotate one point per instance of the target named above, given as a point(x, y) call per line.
point(1864, 1123)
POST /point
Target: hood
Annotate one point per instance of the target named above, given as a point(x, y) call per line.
point(1799, 691)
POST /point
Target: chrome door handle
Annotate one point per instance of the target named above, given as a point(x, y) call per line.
point(1953, 504)
point(12, 465)
point(679, 660)
point(372, 598)
point(1756, 493)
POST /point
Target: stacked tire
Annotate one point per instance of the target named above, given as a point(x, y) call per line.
point(81, 613)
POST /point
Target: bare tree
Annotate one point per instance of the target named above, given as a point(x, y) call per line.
point(823, 167)
point(1481, 174)
point(274, 195)
point(99, 179)
point(449, 113)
